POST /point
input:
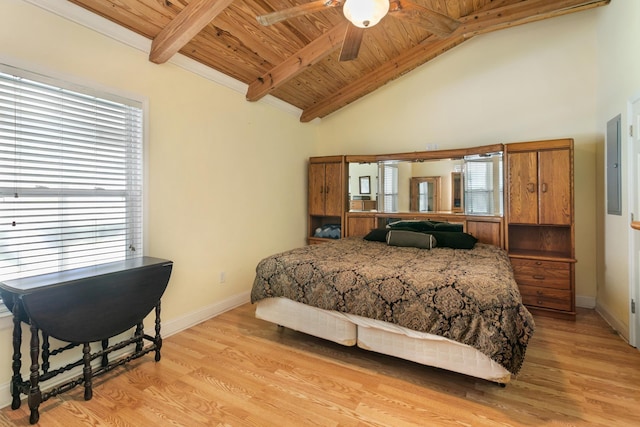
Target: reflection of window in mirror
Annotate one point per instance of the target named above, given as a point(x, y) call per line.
point(457, 195)
point(388, 201)
point(483, 189)
point(424, 194)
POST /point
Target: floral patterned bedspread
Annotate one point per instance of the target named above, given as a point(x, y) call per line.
point(469, 296)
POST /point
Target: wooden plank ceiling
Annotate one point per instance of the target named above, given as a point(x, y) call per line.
point(297, 60)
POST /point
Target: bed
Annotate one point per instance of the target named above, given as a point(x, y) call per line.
point(455, 309)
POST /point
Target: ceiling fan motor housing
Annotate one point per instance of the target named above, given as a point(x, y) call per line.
point(365, 13)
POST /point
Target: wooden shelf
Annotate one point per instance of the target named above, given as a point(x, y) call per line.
point(317, 240)
point(541, 255)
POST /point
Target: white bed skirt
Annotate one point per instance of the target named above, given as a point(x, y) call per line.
point(382, 337)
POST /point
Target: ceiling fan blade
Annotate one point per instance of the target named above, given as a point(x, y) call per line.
point(292, 12)
point(351, 43)
point(435, 22)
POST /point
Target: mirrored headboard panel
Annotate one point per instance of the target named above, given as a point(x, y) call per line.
point(466, 181)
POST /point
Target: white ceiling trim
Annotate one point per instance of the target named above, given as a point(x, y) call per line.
point(97, 23)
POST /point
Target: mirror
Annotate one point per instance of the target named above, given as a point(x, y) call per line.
point(397, 191)
point(469, 184)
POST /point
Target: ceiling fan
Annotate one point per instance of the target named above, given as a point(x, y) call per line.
point(365, 14)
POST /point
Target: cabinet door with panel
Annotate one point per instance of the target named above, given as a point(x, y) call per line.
point(540, 187)
point(360, 224)
point(523, 187)
point(485, 231)
point(333, 194)
point(325, 189)
point(316, 188)
point(554, 187)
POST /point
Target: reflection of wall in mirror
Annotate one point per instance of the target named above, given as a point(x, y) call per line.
point(357, 170)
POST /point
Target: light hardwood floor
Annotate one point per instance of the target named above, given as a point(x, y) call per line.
point(235, 370)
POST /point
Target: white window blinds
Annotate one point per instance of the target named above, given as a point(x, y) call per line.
point(389, 173)
point(483, 184)
point(70, 177)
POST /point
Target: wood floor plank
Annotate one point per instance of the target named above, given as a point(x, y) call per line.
point(236, 370)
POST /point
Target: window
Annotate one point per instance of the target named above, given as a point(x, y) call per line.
point(389, 174)
point(70, 176)
point(482, 175)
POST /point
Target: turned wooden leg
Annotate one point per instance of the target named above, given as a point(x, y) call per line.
point(35, 395)
point(158, 338)
point(86, 371)
point(16, 379)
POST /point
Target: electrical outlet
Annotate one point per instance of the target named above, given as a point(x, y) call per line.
point(223, 277)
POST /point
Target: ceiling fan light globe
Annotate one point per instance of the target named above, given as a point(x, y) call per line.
point(365, 13)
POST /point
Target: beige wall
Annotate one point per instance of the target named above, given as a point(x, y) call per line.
point(618, 34)
point(527, 83)
point(226, 178)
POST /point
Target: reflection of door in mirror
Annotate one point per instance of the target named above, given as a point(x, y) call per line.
point(457, 195)
point(424, 194)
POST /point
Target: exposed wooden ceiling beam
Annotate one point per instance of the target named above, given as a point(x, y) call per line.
point(439, 24)
point(484, 21)
point(296, 63)
point(189, 22)
point(523, 13)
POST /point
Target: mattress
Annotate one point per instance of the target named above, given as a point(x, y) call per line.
point(382, 337)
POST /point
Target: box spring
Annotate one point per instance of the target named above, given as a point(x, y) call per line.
point(382, 337)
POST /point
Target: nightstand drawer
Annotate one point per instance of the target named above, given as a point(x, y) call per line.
point(545, 297)
point(547, 274)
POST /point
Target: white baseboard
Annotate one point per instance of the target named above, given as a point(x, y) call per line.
point(5, 395)
point(168, 328)
point(585, 302)
point(185, 322)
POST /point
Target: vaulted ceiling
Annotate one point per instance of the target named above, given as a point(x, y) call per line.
point(298, 60)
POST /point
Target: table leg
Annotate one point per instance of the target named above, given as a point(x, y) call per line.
point(35, 395)
point(158, 338)
point(86, 371)
point(16, 379)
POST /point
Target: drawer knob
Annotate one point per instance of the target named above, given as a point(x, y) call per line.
point(539, 293)
point(539, 302)
point(538, 277)
point(538, 263)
